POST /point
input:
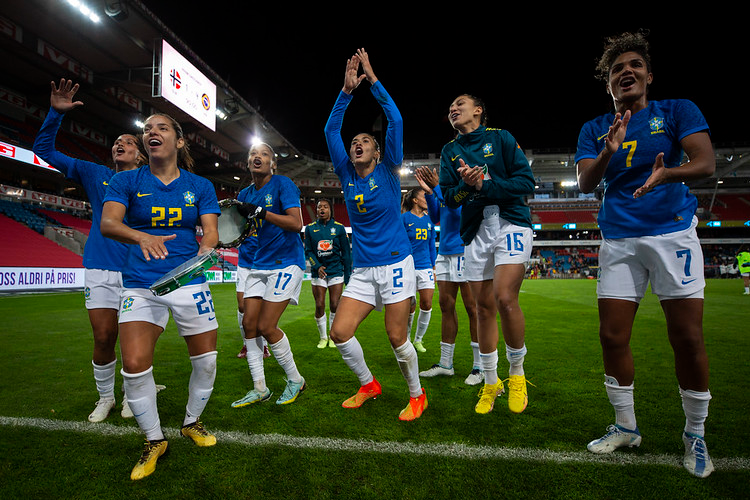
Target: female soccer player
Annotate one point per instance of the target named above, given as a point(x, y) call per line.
point(276, 276)
point(163, 203)
point(102, 257)
point(449, 275)
point(485, 171)
point(421, 232)
point(383, 275)
point(329, 253)
point(647, 220)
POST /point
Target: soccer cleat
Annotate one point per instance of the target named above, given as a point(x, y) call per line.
point(126, 412)
point(419, 346)
point(487, 395)
point(616, 437)
point(266, 352)
point(331, 343)
point(367, 391)
point(437, 369)
point(476, 377)
point(696, 460)
point(415, 408)
point(103, 407)
point(198, 434)
point(147, 463)
point(517, 395)
point(291, 391)
point(322, 343)
point(243, 352)
point(253, 396)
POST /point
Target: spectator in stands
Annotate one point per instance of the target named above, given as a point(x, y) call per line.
point(421, 231)
point(383, 275)
point(329, 254)
point(648, 223)
point(485, 171)
point(449, 274)
point(103, 258)
point(162, 204)
point(275, 279)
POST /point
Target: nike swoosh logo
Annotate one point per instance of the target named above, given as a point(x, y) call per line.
point(688, 281)
point(136, 416)
point(514, 254)
point(141, 195)
point(454, 158)
point(105, 183)
point(211, 318)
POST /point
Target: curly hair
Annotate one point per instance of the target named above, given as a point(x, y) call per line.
point(618, 45)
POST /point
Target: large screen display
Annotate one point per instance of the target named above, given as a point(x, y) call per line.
point(186, 87)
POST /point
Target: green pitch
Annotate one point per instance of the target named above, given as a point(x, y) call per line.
point(313, 448)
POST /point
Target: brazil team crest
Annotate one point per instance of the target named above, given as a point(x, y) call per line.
point(189, 198)
point(656, 124)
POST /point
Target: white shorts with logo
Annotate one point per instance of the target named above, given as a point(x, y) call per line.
point(275, 285)
point(379, 285)
point(327, 281)
point(672, 263)
point(192, 308)
point(450, 268)
point(497, 242)
point(102, 289)
point(425, 279)
point(242, 274)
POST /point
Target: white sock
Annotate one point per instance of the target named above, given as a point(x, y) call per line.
point(351, 353)
point(254, 359)
point(141, 392)
point(621, 398)
point(408, 326)
point(406, 355)
point(330, 320)
point(422, 323)
point(240, 316)
point(104, 375)
point(515, 358)
point(321, 322)
point(488, 362)
point(282, 351)
point(201, 385)
point(446, 354)
point(695, 405)
point(475, 351)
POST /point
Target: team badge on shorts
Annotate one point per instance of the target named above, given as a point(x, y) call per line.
point(127, 304)
point(87, 293)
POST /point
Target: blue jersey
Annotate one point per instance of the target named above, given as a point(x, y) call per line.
point(99, 252)
point(159, 209)
point(421, 233)
point(327, 245)
point(449, 220)
point(247, 249)
point(373, 202)
point(277, 248)
point(658, 128)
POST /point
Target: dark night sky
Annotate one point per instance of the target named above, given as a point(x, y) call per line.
point(537, 78)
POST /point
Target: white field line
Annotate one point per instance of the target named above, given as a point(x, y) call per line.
point(451, 450)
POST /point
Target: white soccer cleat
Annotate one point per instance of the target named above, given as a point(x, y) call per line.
point(696, 460)
point(436, 370)
point(616, 437)
point(476, 377)
point(103, 407)
point(126, 412)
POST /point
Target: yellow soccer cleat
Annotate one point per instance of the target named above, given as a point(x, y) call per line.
point(415, 408)
point(517, 396)
point(487, 395)
point(198, 434)
point(147, 463)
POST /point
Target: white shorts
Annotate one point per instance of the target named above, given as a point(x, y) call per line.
point(450, 268)
point(242, 274)
point(425, 279)
point(102, 289)
point(379, 285)
point(275, 285)
point(192, 308)
point(497, 242)
point(327, 281)
point(672, 262)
